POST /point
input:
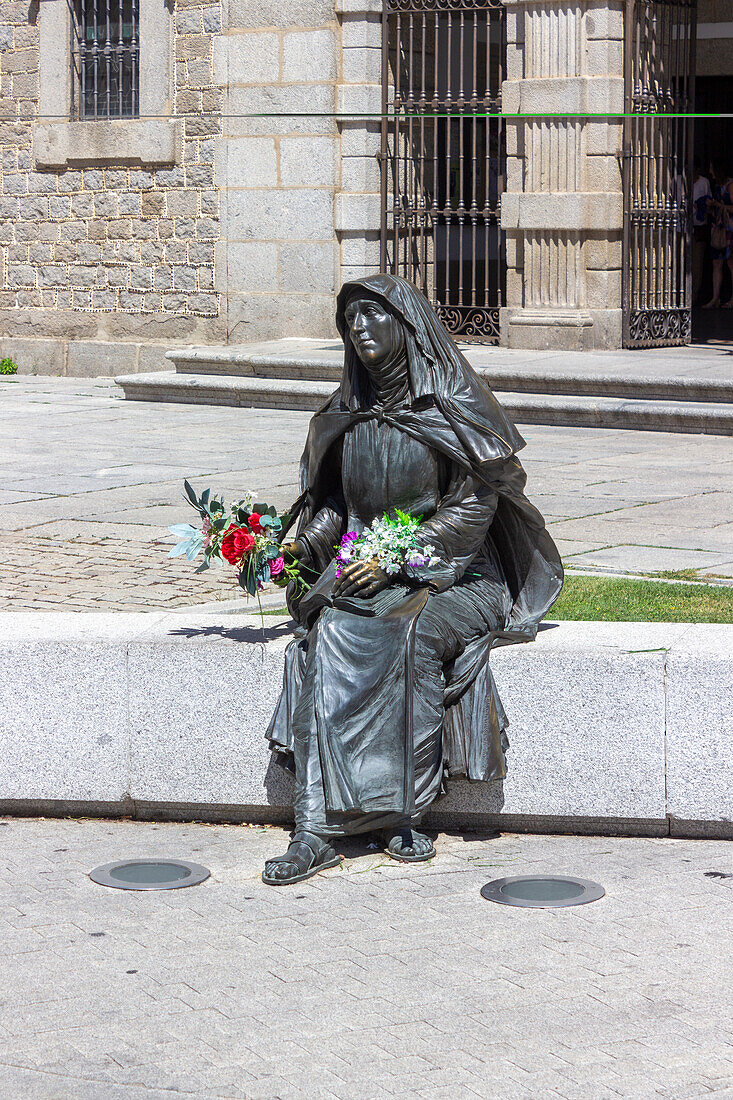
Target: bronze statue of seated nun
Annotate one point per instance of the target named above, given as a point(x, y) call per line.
point(387, 687)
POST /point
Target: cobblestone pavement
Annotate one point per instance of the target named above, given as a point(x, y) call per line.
point(90, 483)
point(371, 980)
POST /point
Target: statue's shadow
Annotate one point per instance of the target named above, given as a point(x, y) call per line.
point(237, 633)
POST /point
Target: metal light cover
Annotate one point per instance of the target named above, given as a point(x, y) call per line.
point(542, 891)
point(149, 874)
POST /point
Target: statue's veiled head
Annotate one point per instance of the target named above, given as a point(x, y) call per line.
point(396, 349)
point(375, 331)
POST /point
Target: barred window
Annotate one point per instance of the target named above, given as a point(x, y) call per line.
point(106, 74)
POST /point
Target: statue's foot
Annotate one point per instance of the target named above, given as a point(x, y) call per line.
point(409, 846)
point(307, 855)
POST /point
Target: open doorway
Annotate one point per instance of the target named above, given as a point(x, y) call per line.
point(713, 151)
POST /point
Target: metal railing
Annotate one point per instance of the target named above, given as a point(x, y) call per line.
point(660, 56)
point(443, 157)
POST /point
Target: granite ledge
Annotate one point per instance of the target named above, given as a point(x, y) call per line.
point(617, 728)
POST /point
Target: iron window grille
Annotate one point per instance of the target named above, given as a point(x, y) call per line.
point(444, 157)
point(106, 59)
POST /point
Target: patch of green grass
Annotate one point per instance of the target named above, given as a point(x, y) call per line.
point(684, 574)
point(8, 367)
point(615, 599)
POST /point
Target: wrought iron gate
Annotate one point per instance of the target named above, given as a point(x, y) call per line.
point(443, 157)
point(660, 58)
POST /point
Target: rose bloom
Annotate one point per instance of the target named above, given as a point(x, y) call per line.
point(276, 566)
point(236, 543)
point(254, 523)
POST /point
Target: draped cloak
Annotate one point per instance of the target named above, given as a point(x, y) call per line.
point(453, 412)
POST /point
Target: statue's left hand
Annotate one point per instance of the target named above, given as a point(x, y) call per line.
point(361, 578)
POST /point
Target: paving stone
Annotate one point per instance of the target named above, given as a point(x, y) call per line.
point(232, 978)
point(98, 539)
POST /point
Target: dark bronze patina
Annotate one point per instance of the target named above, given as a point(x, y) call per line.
point(387, 688)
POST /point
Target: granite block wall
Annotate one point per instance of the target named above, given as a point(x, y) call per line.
point(122, 255)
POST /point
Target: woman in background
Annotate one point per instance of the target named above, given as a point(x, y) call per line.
point(721, 233)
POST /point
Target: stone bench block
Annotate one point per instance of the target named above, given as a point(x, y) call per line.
point(615, 727)
point(700, 727)
point(64, 733)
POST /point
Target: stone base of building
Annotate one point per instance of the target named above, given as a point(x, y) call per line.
point(563, 329)
point(78, 355)
point(74, 358)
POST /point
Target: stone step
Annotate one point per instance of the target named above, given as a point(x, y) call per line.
point(576, 410)
point(244, 363)
point(220, 389)
point(542, 377)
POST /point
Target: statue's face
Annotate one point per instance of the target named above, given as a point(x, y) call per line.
point(370, 328)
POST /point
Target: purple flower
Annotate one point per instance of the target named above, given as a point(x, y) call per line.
point(348, 538)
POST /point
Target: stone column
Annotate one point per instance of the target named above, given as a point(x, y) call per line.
point(563, 208)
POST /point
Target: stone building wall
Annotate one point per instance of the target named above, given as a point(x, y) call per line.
point(277, 165)
point(273, 198)
point(297, 166)
point(104, 267)
point(715, 38)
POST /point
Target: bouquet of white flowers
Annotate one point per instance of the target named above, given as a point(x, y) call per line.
point(392, 543)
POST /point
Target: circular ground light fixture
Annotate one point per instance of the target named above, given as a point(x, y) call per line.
point(542, 891)
point(149, 874)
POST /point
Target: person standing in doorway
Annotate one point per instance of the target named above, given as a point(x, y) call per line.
point(700, 228)
point(721, 233)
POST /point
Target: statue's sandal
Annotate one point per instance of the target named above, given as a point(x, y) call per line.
point(417, 857)
point(307, 855)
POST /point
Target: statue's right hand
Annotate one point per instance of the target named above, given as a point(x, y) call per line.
point(293, 549)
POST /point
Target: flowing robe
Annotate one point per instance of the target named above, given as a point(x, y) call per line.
point(362, 709)
point(384, 696)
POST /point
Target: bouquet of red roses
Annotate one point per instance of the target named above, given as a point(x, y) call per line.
point(244, 534)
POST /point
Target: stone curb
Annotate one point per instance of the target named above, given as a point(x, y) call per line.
point(615, 727)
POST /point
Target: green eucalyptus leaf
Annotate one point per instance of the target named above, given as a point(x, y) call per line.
point(204, 566)
point(260, 509)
